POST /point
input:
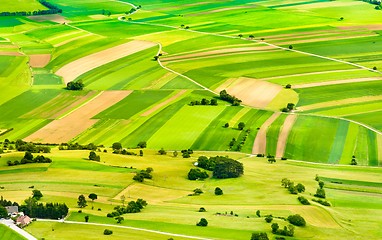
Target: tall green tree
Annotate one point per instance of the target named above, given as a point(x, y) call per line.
point(81, 201)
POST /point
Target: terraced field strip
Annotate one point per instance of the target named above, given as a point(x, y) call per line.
point(284, 133)
point(164, 103)
point(319, 84)
point(78, 67)
point(339, 102)
point(311, 73)
point(260, 144)
point(68, 127)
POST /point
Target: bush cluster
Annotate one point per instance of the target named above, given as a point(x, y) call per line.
point(28, 158)
point(204, 102)
point(132, 207)
point(196, 173)
point(143, 174)
point(222, 167)
point(231, 99)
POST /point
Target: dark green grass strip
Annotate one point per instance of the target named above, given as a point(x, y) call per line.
point(26, 102)
point(351, 182)
point(373, 148)
point(339, 142)
point(215, 136)
point(132, 104)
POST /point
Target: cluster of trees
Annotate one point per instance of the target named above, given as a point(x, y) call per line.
point(31, 147)
point(297, 220)
point(288, 108)
point(143, 174)
point(34, 209)
point(320, 192)
point(293, 189)
point(303, 200)
point(196, 173)
point(5, 202)
point(231, 99)
point(94, 157)
point(132, 10)
point(375, 2)
point(286, 231)
point(196, 192)
point(259, 236)
point(118, 149)
point(75, 85)
point(322, 202)
point(77, 146)
point(205, 102)
point(186, 153)
point(222, 167)
point(132, 207)
point(53, 9)
point(28, 158)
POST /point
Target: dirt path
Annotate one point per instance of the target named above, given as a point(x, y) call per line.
point(77, 121)
point(284, 133)
point(80, 66)
point(160, 105)
point(260, 144)
point(320, 84)
point(126, 227)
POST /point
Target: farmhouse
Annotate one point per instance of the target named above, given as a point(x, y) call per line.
point(23, 221)
point(12, 210)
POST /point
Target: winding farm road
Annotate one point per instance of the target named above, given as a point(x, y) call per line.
point(126, 227)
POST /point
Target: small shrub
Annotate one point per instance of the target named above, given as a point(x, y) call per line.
point(202, 223)
point(303, 200)
point(288, 86)
point(202, 209)
point(218, 191)
point(322, 202)
point(269, 218)
point(107, 232)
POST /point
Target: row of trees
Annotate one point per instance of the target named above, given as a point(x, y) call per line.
point(31, 147)
point(28, 158)
point(229, 98)
point(52, 9)
point(222, 167)
point(77, 146)
point(205, 102)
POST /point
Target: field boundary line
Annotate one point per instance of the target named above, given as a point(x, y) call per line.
point(126, 227)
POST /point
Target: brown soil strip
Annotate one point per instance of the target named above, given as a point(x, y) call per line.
point(369, 27)
point(39, 60)
point(53, 18)
point(319, 84)
point(284, 133)
point(80, 66)
point(71, 125)
point(253, 92)
point(260, 144)
point(218, 52)
point(164, 103)
point(340, 102)
point(11, 54)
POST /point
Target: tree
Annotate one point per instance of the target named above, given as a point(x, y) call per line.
point(241, 125)
point(251, 36)
point(3, 212)
point(93, 197)
point(218, 191)
point(162, 152)
point(269, 218)
point(259, 236)
point(119, 219)
point(275, 227)
point(37, 194)
point(142, 144)
point(202, 223)
point(78, 85)
point(353, 161)
point(320, 193)
point(175, 153)
point(86, 218)
point(321, 184)
point(141, 153)
point(258, 213)
point(226, 125)
point(117, 146)
point(92, 155)
point(290, 47)
point(297, 220)
point(81, 201)
point(288, 86)
point(196, 173)
point(107, 232)
point(300, 188)
point(240, 35)
point(285, 182)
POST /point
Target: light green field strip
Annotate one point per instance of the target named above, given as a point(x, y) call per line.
point(260, 143)
point(339, 102)
point(379, 149)
point(273, 133)
point(308, 85)
point(235, 119)
point(76, 68)
point(282, 98)
point(350, 109)
point(184, 127)
point(9, 234)
point(362, 148)
point(284, 134)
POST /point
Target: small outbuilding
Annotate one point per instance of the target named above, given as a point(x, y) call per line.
point(23, 221)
